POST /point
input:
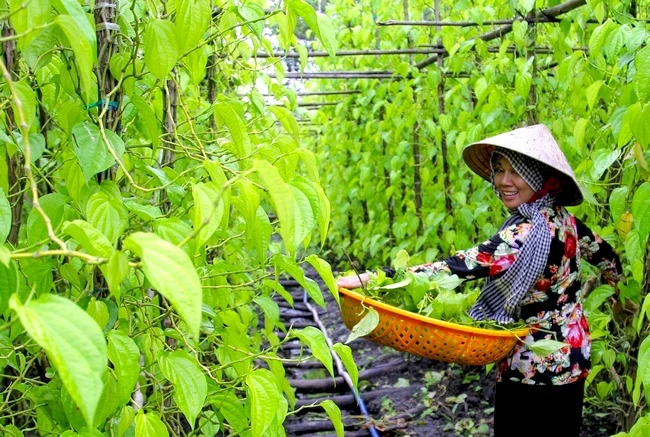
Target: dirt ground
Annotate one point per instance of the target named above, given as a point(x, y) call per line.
point(430, 398)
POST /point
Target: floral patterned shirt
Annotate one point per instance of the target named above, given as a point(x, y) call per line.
point(553, 308)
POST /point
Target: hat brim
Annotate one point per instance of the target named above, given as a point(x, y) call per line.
point(477, 156)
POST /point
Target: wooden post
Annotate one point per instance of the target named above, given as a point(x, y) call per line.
point(441, 110)
point(14, 163)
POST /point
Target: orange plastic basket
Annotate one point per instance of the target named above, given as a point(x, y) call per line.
point(429, 338)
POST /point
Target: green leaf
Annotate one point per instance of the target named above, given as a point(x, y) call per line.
point(108, 215)
point(318, 202)
point(74, 344)
point(91, 149)
point(642, 74)
point(160, 48)
point(53, 205)
point(9, 284)
point(191, 22)
point(82, 29)
point(288, 121)
point(316, 341)
point(319, 24)
point(115, 271)
point(401, 260)
point(602, 160)
point(171, 272)
point(334, 413)
point(25, 19)
point(324, 269)
point(327, 35)
point(145, 112)
point(598, 38)
point(265, 399)
point(545, 347)
point(345, 354)
point(27, 97)
point(579, 134)
point(149, 425)
point(303, 213)
point(597, 297)
point(618, 201)
point(643, 370)
point(227, 116)
point(84, 50)
point(5, 217)
point(640, 125)
point(523, 82)
point(188, 379)
point(282, 199)
point(592, 94)
point(365, 326)
point(176, 231)
point(270, 309)
point(633, 248)
point(228, 405)
point(93, 241)
point(5, 257)
point(98, 311)
point(208, 210)
point(641, 210)
point(289, 265)
point(125, 357)
point(127, 416)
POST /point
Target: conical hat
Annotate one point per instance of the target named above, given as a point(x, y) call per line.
point(533, 141)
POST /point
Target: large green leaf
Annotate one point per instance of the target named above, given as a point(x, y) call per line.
point(53, 205)
point(227, 116)
point(107, 214)
point(316, 341)
point(171, 272)
point(188, 379)
point(324, 269)
point(642, 74)
point(74, 344)
point(265, 399)
point(82, 28)
point(148, 118)
point(345, 354)
point(27, 97)
point(84, 50)
point(160, 48)
point(208, 210)
point(282, 199)
point(91, 149)
point(9, 284)
point(229, 405)
point(290, 266)
point(125, 357)
point(365, 326)
point(334, 413)
point(176, 231)
point(5, 217)
point(191, 22)
point(25, 19)
point(149, 425)
point(287, 120)
point(93, 241)
point(641, 210)
point(318, 23)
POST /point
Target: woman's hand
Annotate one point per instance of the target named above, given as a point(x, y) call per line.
point(352, 281)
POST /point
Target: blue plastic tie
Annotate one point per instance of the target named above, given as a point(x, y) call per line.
point(112, 105)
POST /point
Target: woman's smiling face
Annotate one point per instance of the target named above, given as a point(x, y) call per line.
point(514, 190)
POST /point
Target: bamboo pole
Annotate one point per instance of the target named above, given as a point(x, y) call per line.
point(355, 75)
point(548, 12)
point(533, 20)
point(441, 110)
point(372, 52)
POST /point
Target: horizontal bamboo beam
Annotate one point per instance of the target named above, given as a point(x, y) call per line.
point(355, 75)
point(317, 104)
point(373, 52)
point(551, 12)
point(328, 93)
point(530, 20)
point(511, 49)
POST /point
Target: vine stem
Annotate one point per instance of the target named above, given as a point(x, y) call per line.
point(24, 130)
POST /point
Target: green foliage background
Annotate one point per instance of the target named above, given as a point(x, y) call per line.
point(152, 195)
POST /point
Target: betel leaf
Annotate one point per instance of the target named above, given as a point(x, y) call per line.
point(188, 380)
point(290, 266)
point(365, 326)
point(345, 354)
point(82, 29)
point(318, 201)
point(597, 297)
point(126, 418)
point(288, 121)
point(5, 217)
point(191, 22)
point(149, 425)
point(91, 149)
point(642, 74)
point(160, 48)
point(27, 97)
point(545, 347)
point(172, 273)
point(640, 125)
point(124, 354)
point(93, 241)
point(227, 116)
point(74, 344)
point(264, 395)
point(324, 269)
point(231, 408)
point(334, 413)
point(9, 284)
point(149, 121)
point(107, 214)
point(53, 205)
point(316, 341)
point(282, 199)
point(641, 210)
point(208, 211)
point(303, 215)
point(643, 371)
point(270, 309)
point(83, 49)
point(617, 201)
point(319, 24)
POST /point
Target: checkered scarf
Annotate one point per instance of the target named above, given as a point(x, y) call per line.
point(500, 298)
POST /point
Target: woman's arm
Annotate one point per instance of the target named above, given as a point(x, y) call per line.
point(490, 258)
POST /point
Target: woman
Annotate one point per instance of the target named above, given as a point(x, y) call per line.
point(532, 266)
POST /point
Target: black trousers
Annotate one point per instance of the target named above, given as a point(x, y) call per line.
point(522, 410)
